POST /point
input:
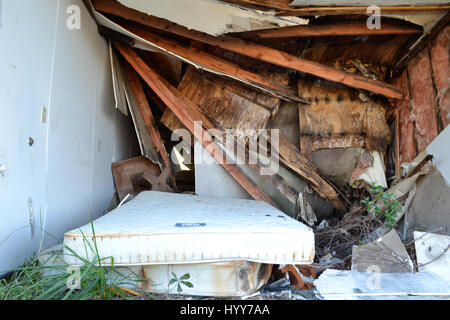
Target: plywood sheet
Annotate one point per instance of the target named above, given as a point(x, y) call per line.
point(230, 105)
point(339, 118)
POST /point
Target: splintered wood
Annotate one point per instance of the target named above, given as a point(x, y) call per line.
point(253, 50)
point(340, 118)
point(321, 88)
point(228, 104)
point(188, 113)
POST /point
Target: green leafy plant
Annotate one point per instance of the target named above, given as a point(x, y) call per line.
point(181, 281)
point(391, 207)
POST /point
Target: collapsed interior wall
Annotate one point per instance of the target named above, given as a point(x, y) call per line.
point(342, 125)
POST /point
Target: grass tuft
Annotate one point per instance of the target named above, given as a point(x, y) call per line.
point(47, 276)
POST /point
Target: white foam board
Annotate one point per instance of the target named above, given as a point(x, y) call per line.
point(432, 253)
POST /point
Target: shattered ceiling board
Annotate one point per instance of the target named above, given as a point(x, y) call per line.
point(230, 105)
point(221, 18)
point(305, 3)
point(338, 118)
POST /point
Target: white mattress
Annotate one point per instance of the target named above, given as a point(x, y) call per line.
point(167, 228)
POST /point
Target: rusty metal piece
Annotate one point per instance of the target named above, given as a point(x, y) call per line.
point(295, 277)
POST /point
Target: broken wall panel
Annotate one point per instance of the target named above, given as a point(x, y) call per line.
point(387, 253)
point(338, 118)
point(230, 105)
point(430, 207)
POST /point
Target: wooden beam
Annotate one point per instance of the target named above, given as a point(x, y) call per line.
point(214, 64)
point(147, 114)
point(150, 122)
point(264, 5)
point(253, 50)
point(329, 11)
point(305, 169)
point(188, 114)
point(347, 28)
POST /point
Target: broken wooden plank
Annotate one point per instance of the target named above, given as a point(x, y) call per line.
point(150, 124)
point(229, 104)
point(188, 114)
point(341, 118)
point(119, 91)
point(306, 170)
point(216, 99)
point(212, 63)
point(262, 4)
point(145, 142)
point(344, 10)
point(253, 50)
point(346, 28)
point(147, 115)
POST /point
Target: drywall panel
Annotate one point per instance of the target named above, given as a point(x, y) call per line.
point(27, 30)
point(220, 18)
point(305, 3)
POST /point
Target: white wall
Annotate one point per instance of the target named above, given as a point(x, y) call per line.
point(65, 176)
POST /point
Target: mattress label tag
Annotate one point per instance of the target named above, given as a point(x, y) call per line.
point(190, 225)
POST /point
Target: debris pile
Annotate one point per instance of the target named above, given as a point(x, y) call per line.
point(292, 118)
